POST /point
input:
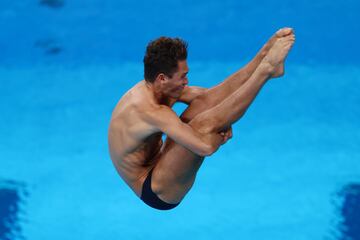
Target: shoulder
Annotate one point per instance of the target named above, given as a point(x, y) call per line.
point(157, 115)
point(137, 122)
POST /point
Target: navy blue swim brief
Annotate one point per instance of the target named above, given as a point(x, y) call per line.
point(151, 199)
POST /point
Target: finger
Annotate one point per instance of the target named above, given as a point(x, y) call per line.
point(230, 132)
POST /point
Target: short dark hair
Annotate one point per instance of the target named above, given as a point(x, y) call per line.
point(162, 56)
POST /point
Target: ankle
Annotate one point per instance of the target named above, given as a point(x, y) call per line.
point(266, 68)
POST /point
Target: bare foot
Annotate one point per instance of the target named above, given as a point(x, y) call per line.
point(276, 56)
point(282, 32)
point(279, 71)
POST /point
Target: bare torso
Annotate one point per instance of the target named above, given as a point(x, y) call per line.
point(133, 144)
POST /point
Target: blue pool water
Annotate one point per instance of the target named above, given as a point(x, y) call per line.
point(291, 171)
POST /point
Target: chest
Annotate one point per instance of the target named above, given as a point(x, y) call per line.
point(152, 143)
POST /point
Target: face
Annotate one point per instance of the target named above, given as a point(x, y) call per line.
point(174, 86)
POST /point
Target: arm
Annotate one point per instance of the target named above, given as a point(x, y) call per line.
point(164, 119)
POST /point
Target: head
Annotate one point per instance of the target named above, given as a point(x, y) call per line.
point(165, 65)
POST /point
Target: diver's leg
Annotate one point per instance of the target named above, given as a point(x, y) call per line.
point(218, 93)
point(176, 167)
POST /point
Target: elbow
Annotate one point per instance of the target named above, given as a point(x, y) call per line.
point(207, 151)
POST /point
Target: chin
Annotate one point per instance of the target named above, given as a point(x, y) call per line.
point(176, 94)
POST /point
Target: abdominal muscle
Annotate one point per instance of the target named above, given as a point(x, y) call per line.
point(134, 167)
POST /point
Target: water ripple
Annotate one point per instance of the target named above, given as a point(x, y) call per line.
point(12, 195)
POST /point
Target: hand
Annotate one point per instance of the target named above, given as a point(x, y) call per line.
point(226, 134)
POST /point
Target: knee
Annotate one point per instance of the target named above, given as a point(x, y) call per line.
point(201, 100)
point(196, 107)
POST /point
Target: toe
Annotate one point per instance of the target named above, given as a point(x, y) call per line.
point(284, 32)
point(289, 30)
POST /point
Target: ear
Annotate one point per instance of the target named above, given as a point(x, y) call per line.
point(161, 77)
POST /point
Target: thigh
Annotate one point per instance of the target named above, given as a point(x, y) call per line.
point(176, 166)
point(209, 99)
point(175, 171)
point(216, 94)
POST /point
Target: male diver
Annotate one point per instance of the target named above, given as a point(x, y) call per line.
point(160, 173)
